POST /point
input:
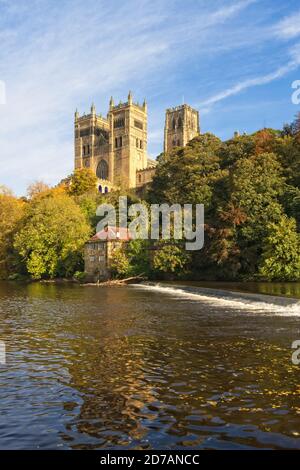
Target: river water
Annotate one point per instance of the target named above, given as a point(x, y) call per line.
point(150, 366)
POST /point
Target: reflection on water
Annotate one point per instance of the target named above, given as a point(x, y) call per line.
point(140, 367)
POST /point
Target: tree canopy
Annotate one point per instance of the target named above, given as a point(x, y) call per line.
point(52, 236)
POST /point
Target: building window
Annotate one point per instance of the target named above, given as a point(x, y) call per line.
point(102, 170)
point(120, 122)
point(106, 189)
point(138, 124)
point(141, 144)
point(137, 143)
point(84, 132)
point(100, 188)
point(174, 124)
point(179, 122)
point(85, 150)
point(140, 178)
point(118, 142)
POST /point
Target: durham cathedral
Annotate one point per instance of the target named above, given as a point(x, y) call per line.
point(115, 147)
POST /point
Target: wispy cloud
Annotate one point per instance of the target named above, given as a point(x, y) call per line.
point(289, 27)
point(56, 56)
point(2, 92)
point(280, 72)
point(60, 55)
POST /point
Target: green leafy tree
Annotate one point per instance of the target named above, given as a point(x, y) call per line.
point(171, 259)
point(88, 203)
point(280, 259)
point(257, 184)
point(138, 253)
point(296, 125)
point(235, 149)
point(188, 175)
point(131, 259)
point(52, 236)
point(290, 200)
point(288, 151)
point(11, 214)
point(120, 264)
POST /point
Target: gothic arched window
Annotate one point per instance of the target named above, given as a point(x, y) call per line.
point(102, 170)
point(179, 122)
point(174, 123)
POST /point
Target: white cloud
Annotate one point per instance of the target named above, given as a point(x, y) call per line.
point(289, 27)
point(56, 56)
point(60, 55)
point(280, 72)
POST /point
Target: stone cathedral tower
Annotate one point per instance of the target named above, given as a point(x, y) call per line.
point(128, 141)
point(181, 126)
point(114, 147)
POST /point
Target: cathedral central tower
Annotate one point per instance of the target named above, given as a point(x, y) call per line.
point(114, 147)
point(127, 141)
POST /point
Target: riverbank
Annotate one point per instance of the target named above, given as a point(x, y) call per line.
point(281, 289)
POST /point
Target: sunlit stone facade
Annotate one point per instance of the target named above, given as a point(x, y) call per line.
point(114, 147)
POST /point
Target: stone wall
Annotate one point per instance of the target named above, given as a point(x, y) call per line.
point(97, 258)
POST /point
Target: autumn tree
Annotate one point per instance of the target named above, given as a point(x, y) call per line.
point(11, 213)
point(82, 181)
point(52, 237)
point(37, 188)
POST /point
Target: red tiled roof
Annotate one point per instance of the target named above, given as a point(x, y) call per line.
point(112, 233)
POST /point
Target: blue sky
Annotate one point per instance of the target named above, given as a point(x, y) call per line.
point(233, 60)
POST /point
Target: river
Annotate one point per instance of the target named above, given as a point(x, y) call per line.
point(158, 366)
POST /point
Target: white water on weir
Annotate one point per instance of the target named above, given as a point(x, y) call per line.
point(258, 303)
